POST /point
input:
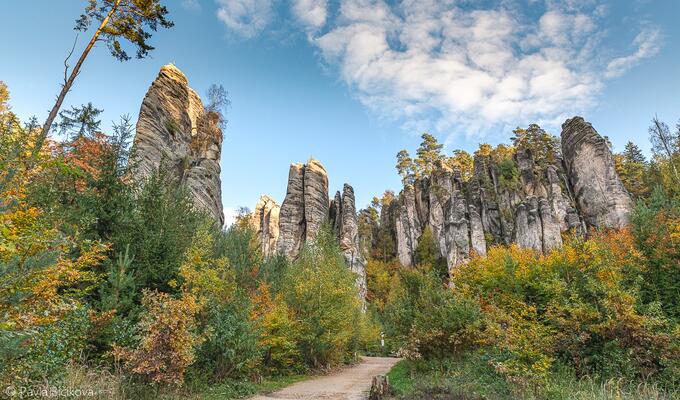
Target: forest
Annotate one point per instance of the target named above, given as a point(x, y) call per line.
point(114, 286)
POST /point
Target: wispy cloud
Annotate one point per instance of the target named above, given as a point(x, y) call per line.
point(647, 44)
point(245, 17)
point(192, 5)
point(447, 65)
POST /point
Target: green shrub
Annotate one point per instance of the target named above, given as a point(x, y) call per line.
point(50, 348)
point(239, 244)
point(231, 348)
point(321, 294)
point(656, 225)
point(426, 319)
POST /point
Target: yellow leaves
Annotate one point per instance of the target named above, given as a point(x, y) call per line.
point(204, 276)
point(167, 345)
point(48, 292)
point(568, 302)
point(381, 277)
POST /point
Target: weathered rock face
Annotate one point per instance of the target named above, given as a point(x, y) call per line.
point(299, 219)
point(316, 198)
point(343, 217)
point(304, 208)
point(532, 205)
point(601, 197)
point(292, 222)
point(408, 227)
point(265, 221)
point(175, 131)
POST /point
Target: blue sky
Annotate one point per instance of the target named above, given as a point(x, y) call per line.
point(352, 82)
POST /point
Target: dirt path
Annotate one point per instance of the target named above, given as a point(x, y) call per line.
point(348, 384)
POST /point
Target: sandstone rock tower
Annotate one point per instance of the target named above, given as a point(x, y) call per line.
point(343, 216)
point(302, 213)
point(265, 221)
point(601, 197)
point(175, 131)
point(304, 208)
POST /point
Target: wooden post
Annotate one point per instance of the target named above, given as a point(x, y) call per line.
point(380, 388)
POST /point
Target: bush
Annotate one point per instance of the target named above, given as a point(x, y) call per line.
point(656, 226)
point(320, 291)
point(578, 305)
point(426, 319)
point(279, 333)
point(230, 349)
point(240, 245)
point(49, 349)
point(166, 346)
point(381, 278)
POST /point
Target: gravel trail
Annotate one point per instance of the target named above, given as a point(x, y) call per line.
point(351, 383)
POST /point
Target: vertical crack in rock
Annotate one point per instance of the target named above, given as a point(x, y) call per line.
point(315, 198)
point(265, 222)
point(292, 222)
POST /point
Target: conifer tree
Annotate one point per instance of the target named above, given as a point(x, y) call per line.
point(119, 20)
point(429, 152)
point(632, 153)
point(79, 122)
point(405, 167)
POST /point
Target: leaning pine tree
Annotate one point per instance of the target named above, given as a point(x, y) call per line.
point(119, 20)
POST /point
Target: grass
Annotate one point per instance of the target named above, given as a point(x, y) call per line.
point(99, 384)
point(400, 377)
point(471, 378)
point(240, 389)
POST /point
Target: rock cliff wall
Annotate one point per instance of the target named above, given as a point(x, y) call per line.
point(527, 203)
point(175, 130)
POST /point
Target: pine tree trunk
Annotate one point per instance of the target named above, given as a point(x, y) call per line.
point(74, 73)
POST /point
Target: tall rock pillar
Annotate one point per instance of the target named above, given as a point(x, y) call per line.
point(175, 131)
point(599, 193)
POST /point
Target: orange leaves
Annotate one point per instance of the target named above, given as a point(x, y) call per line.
point(167, 345)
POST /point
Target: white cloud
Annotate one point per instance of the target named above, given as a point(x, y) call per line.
point(437, 64)
point(647, 43)
point(245, 17)
point(311, 13)
point(434, 60)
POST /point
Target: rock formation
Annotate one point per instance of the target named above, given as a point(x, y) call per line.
point(343, 217)
point(601, 197)
point(265, 221)
point(302, 213)
point(175, 131)
point(530, 204)
point(304, 208)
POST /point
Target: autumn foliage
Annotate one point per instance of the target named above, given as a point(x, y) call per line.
point(168, 339)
